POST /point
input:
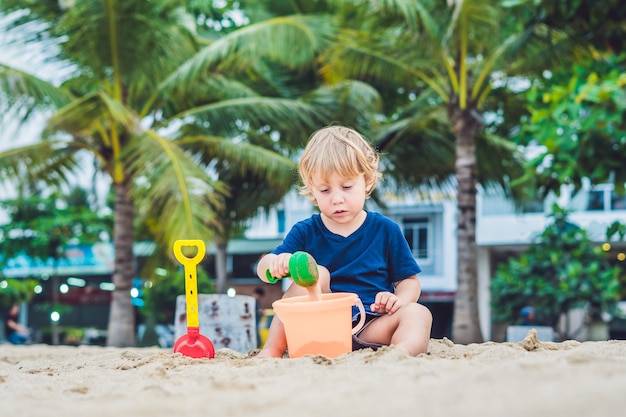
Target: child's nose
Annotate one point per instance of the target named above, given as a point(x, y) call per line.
point(337, 197)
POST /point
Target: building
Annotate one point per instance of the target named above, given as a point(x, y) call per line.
point(502, 232)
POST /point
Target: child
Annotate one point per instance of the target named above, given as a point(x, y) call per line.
point(357, 251)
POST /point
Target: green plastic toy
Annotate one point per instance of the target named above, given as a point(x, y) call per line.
point(302, 269)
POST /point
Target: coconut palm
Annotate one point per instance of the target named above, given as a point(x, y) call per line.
point(279, 52)
point(444, 68)
point(139, 76)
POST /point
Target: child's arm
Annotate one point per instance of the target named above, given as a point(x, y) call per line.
point(278, 265)
point(407, 291)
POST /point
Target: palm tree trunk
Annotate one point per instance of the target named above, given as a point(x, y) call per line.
point(466, 325)
point(121, 331)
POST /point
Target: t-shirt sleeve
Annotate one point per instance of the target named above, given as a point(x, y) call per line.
point(402, 264)
point(293, 242)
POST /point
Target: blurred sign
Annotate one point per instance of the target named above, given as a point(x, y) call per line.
point(94, 259)
point(229, 322)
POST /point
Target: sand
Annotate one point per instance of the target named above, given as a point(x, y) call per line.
point(529, 378)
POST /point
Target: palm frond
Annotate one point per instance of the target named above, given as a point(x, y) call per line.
point(209, 89)
point(473, 21)
point(24, 94)
point(351, 102)
point(171, 188)
point(488, 67)
point(51, 162)
point(355, 57)
point(226, 115)
point(242, 158)
point(95, 36)
point(418, 149)
point(412, 12)
point(292, 40)
point(499, 161)
point(84, 116)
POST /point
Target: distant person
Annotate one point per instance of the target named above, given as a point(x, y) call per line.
point(528, 316)
point(15, 332)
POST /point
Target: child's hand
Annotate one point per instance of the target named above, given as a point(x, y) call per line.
point(280, 265)
point(386, 302)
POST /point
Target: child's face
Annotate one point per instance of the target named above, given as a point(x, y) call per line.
point(340, 199)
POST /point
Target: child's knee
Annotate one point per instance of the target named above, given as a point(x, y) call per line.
point(419, 313)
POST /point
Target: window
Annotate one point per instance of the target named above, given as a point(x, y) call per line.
point(596, 200)
point(533, 206)
point(604, 198)
point(418, 233)
point(280, 215)
point(618, 202)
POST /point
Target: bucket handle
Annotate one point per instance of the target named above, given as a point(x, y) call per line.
point(359, 326)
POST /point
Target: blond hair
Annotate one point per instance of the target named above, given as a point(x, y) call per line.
point(340, 150)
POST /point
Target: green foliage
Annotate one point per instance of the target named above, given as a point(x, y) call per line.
point(160, 294)
point(579, 116)
point(616, 228)
point(73, 335)
point(561, 270)
point(16, 291)
point(42, 227)
point(599, 23)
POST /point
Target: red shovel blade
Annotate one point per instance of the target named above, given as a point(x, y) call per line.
point(194, 345)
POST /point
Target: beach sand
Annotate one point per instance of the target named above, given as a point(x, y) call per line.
point(529, 379)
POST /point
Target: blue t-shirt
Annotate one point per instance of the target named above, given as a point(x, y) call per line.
point(367, 262)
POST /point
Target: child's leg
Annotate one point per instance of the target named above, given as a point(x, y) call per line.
point(276, 343)
point(413, 332)
point(408, 329)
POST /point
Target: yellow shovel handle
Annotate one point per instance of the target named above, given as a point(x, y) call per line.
point(191, 278)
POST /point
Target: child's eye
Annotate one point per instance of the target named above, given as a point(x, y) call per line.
point(347, 187)
point(323, 190)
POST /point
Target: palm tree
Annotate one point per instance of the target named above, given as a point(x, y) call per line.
point(140, 75)
point(280, 51)
point(452, 66)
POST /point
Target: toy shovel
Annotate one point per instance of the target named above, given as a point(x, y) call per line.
point(193, 344)
point(302, 269)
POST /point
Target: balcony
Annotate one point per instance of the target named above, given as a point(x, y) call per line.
point(500, 224)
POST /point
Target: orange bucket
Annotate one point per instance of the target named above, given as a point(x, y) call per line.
point(322, 327)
